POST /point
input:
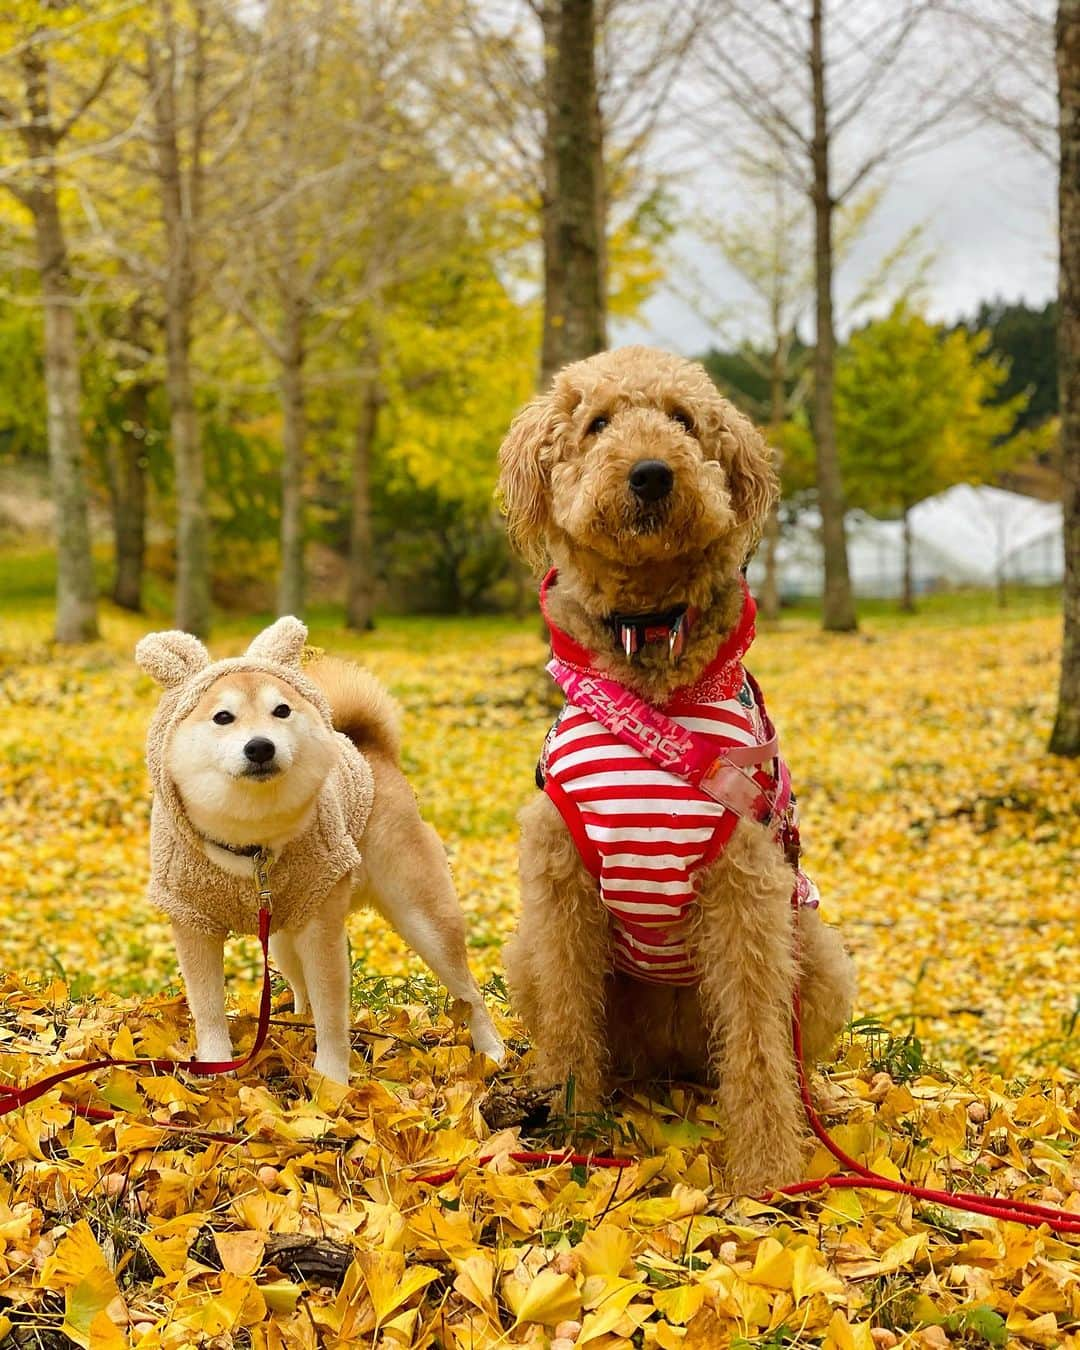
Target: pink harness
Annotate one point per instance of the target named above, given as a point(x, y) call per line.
point(650, 797)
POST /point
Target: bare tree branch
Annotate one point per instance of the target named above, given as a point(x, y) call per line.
point(88, 99)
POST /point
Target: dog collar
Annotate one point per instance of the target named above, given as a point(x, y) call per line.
point(731, 649)
point(239, 850)
point(671, 626)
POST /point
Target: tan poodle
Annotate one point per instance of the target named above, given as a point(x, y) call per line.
point(657, 926)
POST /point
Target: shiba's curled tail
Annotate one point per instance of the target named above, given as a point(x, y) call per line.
point(362, 708)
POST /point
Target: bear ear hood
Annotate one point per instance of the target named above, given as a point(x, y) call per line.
point(174, 657)
point(183, 666)
point(184, 882)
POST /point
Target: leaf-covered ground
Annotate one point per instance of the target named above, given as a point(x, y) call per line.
point(261, 1211)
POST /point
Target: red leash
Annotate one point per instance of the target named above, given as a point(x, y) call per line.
point(857, 1175)
point(13, 1098)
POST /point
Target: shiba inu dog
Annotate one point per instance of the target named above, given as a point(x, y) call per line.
point(253, 758)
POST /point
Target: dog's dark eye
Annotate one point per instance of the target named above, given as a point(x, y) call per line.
point(596, 426)
point(224, 717)
point(282, 710)
point(684, 420)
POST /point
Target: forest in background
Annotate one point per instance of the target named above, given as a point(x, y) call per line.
point(434, 549)
point(277, 276)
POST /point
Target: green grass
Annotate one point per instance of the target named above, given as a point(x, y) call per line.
point(954, 609)
point(28, 578)
point(28, 581)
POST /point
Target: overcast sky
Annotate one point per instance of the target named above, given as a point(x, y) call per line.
point(988, 206)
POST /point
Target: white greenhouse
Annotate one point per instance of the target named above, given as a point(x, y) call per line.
point(967, 536)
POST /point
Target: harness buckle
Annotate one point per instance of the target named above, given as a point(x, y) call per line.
point(731, 786)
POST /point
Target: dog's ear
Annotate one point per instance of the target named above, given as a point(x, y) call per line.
point(523, 480)
point(171, 658)
point(283, 642)
point(750, 466)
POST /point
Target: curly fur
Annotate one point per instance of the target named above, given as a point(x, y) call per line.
point(561, 485)
point(564, 488)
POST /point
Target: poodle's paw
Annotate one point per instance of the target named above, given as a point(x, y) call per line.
point(767, 1166)
point(578, 1083)
point(572, 1098)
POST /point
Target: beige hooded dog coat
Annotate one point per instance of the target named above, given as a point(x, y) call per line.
point(193, 891)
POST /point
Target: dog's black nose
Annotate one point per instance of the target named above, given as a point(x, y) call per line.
point(259, 750)
point(651, 480)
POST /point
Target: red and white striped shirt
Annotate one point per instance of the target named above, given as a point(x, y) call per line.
point(643, 831)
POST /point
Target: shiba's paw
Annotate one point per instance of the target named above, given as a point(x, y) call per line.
point(333, 1066)
point(486, 1040)
point(215, 1051)
point(490, 1045)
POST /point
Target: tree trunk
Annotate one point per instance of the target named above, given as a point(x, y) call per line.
point(770, 584)
point(179, 202)
point(600, 208)
point(574, 325)
point(294, 430)
point(770, 589)
point(127, 488)
point(290, 347)
point(1065, 739)
point(360, 598)
point(838, 605)
point(907, 595)
point(76, 597)
point(553, 343)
